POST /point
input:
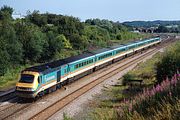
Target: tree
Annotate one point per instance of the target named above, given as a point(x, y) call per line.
point(97, 35)
point(10, 47)
point(32, 40)
point(161, 29)
point(37, 18)
point(63, 42)
point(78, 42)
point(5, 57)
point(6, 12)
point(55, 43)
point(49, 47)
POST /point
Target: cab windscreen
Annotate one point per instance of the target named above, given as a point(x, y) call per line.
point(25, 78)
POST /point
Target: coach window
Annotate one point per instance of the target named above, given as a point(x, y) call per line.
point(65, 71)
point(76, 66)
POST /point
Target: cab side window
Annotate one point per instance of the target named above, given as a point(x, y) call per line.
point(39, 80)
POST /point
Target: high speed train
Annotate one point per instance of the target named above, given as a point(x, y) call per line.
point(38, 80)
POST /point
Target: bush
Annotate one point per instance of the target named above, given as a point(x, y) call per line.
point(127, 78)
point(169, 64)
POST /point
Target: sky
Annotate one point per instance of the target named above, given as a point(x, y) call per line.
point(115, 10)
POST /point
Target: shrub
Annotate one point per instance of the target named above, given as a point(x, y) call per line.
point(127, 77)
point(169, 64)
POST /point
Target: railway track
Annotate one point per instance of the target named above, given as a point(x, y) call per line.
point(12, 110)
point(7, 95)
point(8, 104)
point(51, 110)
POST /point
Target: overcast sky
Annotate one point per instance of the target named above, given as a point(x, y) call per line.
point(116, 10)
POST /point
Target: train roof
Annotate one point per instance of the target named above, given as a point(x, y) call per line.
point(46, 66)
point(100, 51)
point(130, 43)
point(78, 57)
point(57, 63)
point(117, 46)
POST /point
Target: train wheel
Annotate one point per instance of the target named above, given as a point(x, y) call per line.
point(41, 94)
point(59, 85)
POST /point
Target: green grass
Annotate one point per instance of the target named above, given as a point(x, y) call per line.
point(11, 77)
point(146, 71)
point(66, 117)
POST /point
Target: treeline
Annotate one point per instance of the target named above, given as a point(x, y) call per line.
point(160, 26)
point(39, 38)
point(151, 23)
point(164, 29)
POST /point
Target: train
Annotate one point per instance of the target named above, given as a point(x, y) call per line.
point(38, 80)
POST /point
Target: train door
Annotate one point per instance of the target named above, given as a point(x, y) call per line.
point(59, 76)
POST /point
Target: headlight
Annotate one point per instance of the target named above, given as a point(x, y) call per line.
point(24, 89)
point(29, 89)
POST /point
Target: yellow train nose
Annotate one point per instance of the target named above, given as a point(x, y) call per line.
point(25, 85)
